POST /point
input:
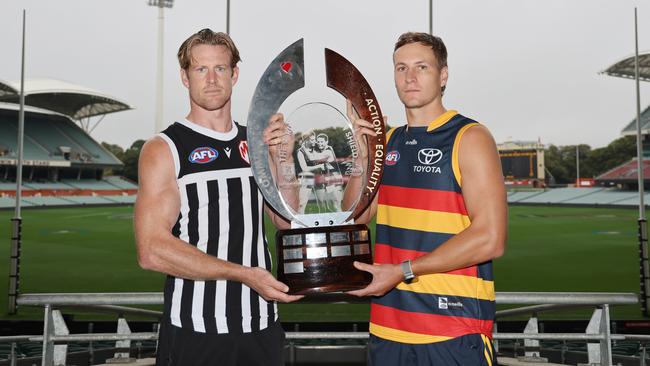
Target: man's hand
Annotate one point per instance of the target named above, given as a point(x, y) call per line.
point(279, 138)
point(384, 278)
point(263, 282)
point(361, 128)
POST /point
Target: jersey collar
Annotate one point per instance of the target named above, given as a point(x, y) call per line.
point(441, 120)
point(223, 136)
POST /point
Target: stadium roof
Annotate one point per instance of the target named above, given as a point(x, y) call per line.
point(625, 67)
point(630, 129)
point(72, 100)
point(15, 107)
point(6, 89)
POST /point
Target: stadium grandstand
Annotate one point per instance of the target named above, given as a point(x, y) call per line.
point(614, 188)
point(523, 169)
point(625, 175)
point(523, 163)
point(62, 164)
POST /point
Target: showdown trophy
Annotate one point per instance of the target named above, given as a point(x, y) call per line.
point(315, 256)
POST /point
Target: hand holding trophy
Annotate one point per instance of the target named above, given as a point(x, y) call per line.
point(278, 136)
point(313, 172)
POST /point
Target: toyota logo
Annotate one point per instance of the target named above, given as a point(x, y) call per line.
point(429, 156)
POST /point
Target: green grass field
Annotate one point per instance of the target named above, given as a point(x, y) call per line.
point(549, 249)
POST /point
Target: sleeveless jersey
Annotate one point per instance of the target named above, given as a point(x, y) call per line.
point(221, 214)
point(420, 207)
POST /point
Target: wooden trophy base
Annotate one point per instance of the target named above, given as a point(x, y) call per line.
point(318, 260)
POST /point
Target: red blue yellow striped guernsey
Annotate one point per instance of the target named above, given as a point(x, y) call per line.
point(420, 207)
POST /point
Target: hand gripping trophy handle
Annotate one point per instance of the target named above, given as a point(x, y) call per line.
point(286, 168)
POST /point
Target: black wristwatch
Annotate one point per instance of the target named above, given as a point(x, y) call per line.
point(407, 271)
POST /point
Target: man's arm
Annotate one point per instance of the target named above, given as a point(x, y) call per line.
point(156, 211)
point(330, 156)
point(306, 167)
point(280, 140)
point(485, 199)
point(361, 129)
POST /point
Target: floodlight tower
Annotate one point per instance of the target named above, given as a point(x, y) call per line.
point(431, 17)
point(161, 4)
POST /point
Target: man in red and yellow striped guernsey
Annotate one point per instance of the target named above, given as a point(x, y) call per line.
point(441, 219)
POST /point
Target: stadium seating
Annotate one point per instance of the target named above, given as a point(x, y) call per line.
point(121, 199)
point(634, 200)
point(578, 196)
point(6, 202)
point(89, 200)
point(48, 201)
point(559, 195)
point(120, 182)
point(46, 185)
point(69, 129)
point(89, 184)
point(45, 133)
point(9, 186)
point(110, 191)
point(608, 196)
point(518, 196)
point(31, 149)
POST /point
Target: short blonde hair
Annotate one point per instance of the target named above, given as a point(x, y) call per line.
point(207, 36)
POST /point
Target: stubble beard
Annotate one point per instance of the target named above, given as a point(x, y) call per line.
point(211, 104)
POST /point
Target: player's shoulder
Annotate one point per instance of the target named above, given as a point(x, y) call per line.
point(155, 149)
point(241, 129)
point(477, 134)
point(155, 143)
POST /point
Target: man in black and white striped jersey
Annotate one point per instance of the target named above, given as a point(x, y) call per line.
point(198, 219)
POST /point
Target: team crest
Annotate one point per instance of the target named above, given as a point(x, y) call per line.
point(392, 157)
point(243, 151)
point(203, 155)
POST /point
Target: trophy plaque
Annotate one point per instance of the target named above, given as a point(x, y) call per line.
point(327, 183)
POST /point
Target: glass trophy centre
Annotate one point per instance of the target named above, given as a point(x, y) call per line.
point(319, 179)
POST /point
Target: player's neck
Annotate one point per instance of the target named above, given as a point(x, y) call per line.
point(423, 116)
point(219, 120)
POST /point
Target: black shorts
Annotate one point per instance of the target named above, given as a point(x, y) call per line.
point(183, 347)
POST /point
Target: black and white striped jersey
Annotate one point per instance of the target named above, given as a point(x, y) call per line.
point(221, 214)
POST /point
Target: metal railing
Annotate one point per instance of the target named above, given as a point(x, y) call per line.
point(56, 335)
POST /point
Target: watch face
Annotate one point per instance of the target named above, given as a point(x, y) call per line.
point(407, 271)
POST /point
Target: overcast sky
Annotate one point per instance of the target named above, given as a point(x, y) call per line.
point(527, 69)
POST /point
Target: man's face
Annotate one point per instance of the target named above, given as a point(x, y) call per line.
point(418, 79)
point(321, 143)
point(209, 77)
point(310, 142)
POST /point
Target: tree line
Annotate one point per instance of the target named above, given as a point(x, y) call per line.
point(129, 157)
point(561, 160)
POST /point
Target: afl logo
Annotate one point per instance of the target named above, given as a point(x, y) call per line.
point(429, 156)
point(203, 155)
point(392, 157)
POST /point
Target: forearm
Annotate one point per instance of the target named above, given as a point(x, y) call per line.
point(353, 188)
point(473, 246)
point(287, 183)
point(170, 255)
